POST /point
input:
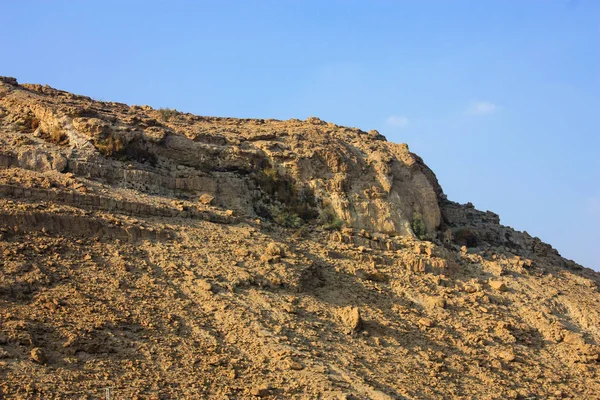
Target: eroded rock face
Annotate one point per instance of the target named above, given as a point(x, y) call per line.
point(256, 167)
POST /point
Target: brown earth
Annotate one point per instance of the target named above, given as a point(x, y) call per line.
point(166, 255)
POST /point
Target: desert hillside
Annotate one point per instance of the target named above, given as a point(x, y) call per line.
point(166, 255)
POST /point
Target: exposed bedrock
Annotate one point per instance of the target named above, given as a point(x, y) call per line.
point(256, 167)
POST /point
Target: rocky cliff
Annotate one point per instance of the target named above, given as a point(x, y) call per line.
point(254, 167)
point(165, 254)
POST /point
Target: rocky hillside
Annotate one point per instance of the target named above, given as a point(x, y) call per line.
point(166, 255)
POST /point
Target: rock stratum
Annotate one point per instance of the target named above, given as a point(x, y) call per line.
point(156, 254)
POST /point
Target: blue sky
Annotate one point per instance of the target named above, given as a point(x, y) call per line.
point(501, 98)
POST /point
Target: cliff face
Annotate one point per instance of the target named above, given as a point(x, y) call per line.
point(255, 167)
point(169, 255)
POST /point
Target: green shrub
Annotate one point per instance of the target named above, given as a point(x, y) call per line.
point(109, 145)
point(418, 226)
point(330, 220)
point(167, 113)
point(292, 206)
point(275, 185)
point(286, 218)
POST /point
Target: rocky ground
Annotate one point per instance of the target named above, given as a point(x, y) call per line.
point(165, 255)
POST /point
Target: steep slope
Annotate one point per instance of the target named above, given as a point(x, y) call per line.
point(166, 255)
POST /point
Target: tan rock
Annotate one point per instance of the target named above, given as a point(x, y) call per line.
point(507, 355)
point(206, 199)
point(273, 249)
point(204, 285)
point(435, 302)
point(261, 391)
point(420, 248)
point(38, 355)
point(142, 215)
point(426, 322)
point(350, 318)
point(91, 126)
point(470, 288)
point(295, 365)
point(575, 339)
point(498, 285)
point(379, 395)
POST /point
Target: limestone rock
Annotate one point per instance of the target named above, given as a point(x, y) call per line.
point(206, 199)
point(575, 339)
point(295, 365)
point(273, 249)
point(507, 355)
point(435, 302)
point(38, 355)
point(498, 285)
point(261, 391)
point(204, 285)
point(92, 127)
point(350, 318)
point(381, 191)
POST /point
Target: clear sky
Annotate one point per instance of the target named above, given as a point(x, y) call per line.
point(500, 98)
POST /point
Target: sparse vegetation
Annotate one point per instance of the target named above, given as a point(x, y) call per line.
point(293, 206)
point(20, 127)
point(109, 145)
point(112, 263)
point(58, 136)
point(335, 224)
point(286, 218)
point(329, 219)
point(168, 113)
point(28, 124)
point(35, 123)
point(418, 226)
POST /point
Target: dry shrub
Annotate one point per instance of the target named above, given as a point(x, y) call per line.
point(28, 124)
point(58, 136)
point(167, 113)
point(109, 145)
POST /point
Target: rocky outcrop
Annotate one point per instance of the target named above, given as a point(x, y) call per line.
point(291, 168)
point(109, 204)
point(78, 225)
